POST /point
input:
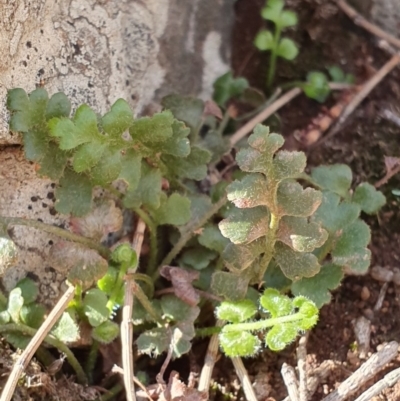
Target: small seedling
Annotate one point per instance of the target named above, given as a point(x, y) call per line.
point(272, 41)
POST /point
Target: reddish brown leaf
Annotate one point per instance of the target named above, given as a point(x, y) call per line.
point(182, 283)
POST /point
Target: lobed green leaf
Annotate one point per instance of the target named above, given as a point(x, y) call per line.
point(301, 235)
point(295, 265)
point(236, 312)
point(118, 119)
point(336, 178)
point(29, 290)
point(94, 307)
point(229, 286)
point(33, 315)
point(245, 225)
point(239, 343)
point(74, 194)
point(369, 199)
point(227, 87)
point(173, 210)
point(106, 332)
point(66, 329)
point(275, 303)
point(317, 288)
point(287, 49)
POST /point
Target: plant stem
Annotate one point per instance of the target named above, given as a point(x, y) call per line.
point(224, 122)
point(188, 234)
point(142, 297)
point(274, 54)
point(113, 392)
point(207, 331)
point(262, 324)
point(117, 286)
point(151, 265)
point(91, 360)
point(23, 329)
point(60, 232)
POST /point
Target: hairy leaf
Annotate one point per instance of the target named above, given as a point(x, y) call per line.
point(229, 286)
point(52, 161)
point(150, 130)
point(275, 303)
point(58, 106)
point(293, 200)
point(295, 265)
point(72, 133)
point(118, 119)
point(108, 168)
point(281, 335)
point(239, 343)
point(245, 225)
point(240, 257)
point(106, 332)
point(301, 235)
point(131, 163)
point(194, 166)
point(250, 192)
point(148, 191)
point(74, 195)
point(236, 312)
point(27, 111)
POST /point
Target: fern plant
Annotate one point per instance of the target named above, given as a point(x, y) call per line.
point(282, 228)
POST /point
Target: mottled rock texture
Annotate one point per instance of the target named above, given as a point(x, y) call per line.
point(96, 51)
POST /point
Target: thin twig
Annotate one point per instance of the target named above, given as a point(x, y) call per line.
point(388, 381)
point(359, 20)
point(244, 379)
point(290, 380)
point(126, 324)
point(387, 177)
point(280, 102)
point(24, 359)
point(301, 352)
point(259, 118)
point(358, 98)
point(209, 361)
point(368, 370)
point(60, 232)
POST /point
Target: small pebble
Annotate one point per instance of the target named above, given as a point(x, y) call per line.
point(383, 274)
point(369, 314)
point(365, 293)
